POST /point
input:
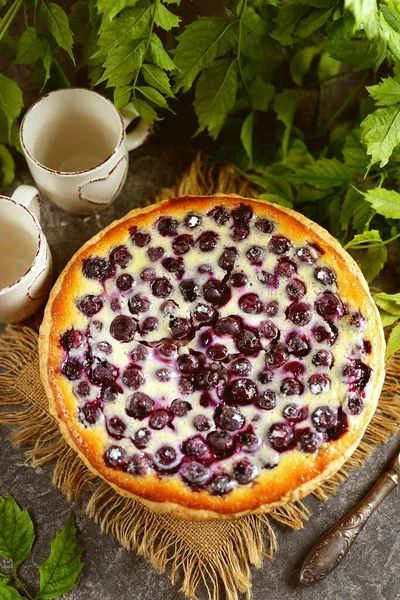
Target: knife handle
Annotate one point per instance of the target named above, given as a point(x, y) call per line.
point(332, 547)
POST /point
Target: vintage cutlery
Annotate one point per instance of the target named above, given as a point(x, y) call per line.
point(333, 546)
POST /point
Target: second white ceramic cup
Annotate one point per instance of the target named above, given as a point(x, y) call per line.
point(75, 143)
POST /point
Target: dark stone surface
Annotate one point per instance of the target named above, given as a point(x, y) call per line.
point(371, 572)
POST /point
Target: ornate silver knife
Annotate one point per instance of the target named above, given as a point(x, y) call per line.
point(333, 546)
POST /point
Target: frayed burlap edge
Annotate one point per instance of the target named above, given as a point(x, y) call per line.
point(165, 541)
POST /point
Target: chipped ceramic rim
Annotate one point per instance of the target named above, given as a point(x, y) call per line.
point(71, 173)
point(40, 237)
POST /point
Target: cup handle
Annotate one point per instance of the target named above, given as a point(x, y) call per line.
point(28, 196)
point(142, 131)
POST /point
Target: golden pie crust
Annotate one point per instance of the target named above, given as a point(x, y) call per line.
point(297, 473)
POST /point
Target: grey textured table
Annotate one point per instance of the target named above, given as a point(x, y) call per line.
point(371, 571)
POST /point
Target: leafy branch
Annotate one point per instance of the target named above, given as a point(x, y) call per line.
point(58, 574)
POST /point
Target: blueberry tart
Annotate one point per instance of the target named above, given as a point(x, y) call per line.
point(212, 356)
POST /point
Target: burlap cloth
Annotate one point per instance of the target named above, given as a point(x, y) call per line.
point(217, 555)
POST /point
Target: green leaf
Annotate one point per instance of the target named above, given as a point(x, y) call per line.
point(365, 14)
point(16, 531)
point(9, 593)
point(11, 102)
point(355, 157)
point(159, 56)
point(59, 573)
point(381, 133)
point(373, 262)
point(216, 95)
point(111, 8)
point(164, 18)
point(342, 28)
point(315, 20)
point(152, 95)
point(275, 199)
point(298, 156)
point(122, 96)
point(385, 93)
point(56, 20)
point(273, 184)
point(4, 579)
point(254, 43)
point(7, 165)
point(328, 67)
point(390, 303)
point(360, 54)
point(387, 319)
point(145, 110)
point(285, 107)
point(246, 135)
point(288, 19)
point(384, 202)
point(365, 237)
point(199, 45)
point(391, 35)
point(28, 47)
point(353, 207)
point(47, 58)
point(323, 174)
point(157, 78)
point(129, 26)
point(121, 64)
point(261, 94)
point(301, 63)
point(393, 343)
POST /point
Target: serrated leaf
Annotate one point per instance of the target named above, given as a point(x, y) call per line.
point(393, 343)
point(9, 593)
point(47, 58)
point(28, 47)
point(122, 96)
point(199, 45)
point(387, 319)
point(381, 133)
point(360, 54)
point(384, 202)
point(121, 64)
point(129, 26)
point(287, 21)
point(16, 531)
point(59, 573)
point(385, 93)
point(298, 156)
point(373, 262)
point(301, 63)
point(261, 94)
point(353, 204)
point(157, 78)
point(246, 135)
point(144, 109)
point(56, 20)
point(152, 95)
point(323, 174)
point(273, 184)
point(355, 157)
point(315, 20)
point(4, 579)
point(215, 95)
point(275, 199)
point(254, 31)
point(11, 102)
point(365, 13)
point(364, 238)
point(164, 18)
point(391, 36)
point(159, 56)
point(111, 8)
point(285, 105)
point(342, 28)
point(7, 165)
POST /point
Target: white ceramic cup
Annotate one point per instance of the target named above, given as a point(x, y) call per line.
point(25, 259)
point(75, 143)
